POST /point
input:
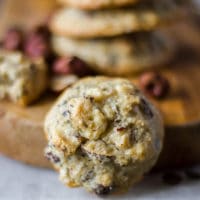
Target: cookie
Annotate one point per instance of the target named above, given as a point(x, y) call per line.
point(98, 4)
point(141, 17)
point(123, 55)
point(103, 134)
point(19, 76)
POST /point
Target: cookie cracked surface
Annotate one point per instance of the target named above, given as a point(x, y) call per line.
point(21, 80)
point(103, 134)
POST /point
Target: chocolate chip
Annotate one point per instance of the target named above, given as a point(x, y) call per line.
point(172, 178)
point(117, 121)
point(193, 173)
point(121, 129)
point(51, 157)
point(65, 114)
point(91, 99)
point(99, 157)
point(103, 190)
point(154, 85)
point(13, 39)
point(134, 136)
point(89, 175)
point(71, 65)
point(144, 107)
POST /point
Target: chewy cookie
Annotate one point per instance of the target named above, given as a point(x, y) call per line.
point(141, 17)
point(21, 80)
point(123, 55)
point(97, 4)
point(103, 134)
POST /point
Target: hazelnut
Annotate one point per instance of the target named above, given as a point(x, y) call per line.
point(37, 43)
point(13, 39)
point(71, 65)
point(103, 190)
point(154, 84)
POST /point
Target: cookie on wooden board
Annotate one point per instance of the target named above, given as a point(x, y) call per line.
point(103, 134)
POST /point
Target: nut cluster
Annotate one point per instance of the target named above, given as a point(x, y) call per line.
point(34, 44)
point(37, 44)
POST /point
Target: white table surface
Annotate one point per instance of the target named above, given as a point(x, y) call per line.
point(22, 182)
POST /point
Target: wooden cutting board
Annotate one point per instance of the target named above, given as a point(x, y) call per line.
point(21, 134)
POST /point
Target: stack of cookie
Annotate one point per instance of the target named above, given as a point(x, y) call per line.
point(115, 37)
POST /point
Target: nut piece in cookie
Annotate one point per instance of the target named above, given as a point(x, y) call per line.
point(21, 80)
point(104, 135)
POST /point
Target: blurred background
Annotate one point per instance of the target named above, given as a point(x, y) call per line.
point(24, 13)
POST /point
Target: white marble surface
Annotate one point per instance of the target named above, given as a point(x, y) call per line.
point(22, 182)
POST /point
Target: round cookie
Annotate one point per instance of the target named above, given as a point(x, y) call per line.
point(103, 134)
point(141, 17)
point(123, 55)
point(97, 4)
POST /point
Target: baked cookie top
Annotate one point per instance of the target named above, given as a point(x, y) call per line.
point(97, 4)
point(141, 17)
point(21, 80)
point(103, 134)
point(123, 56)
